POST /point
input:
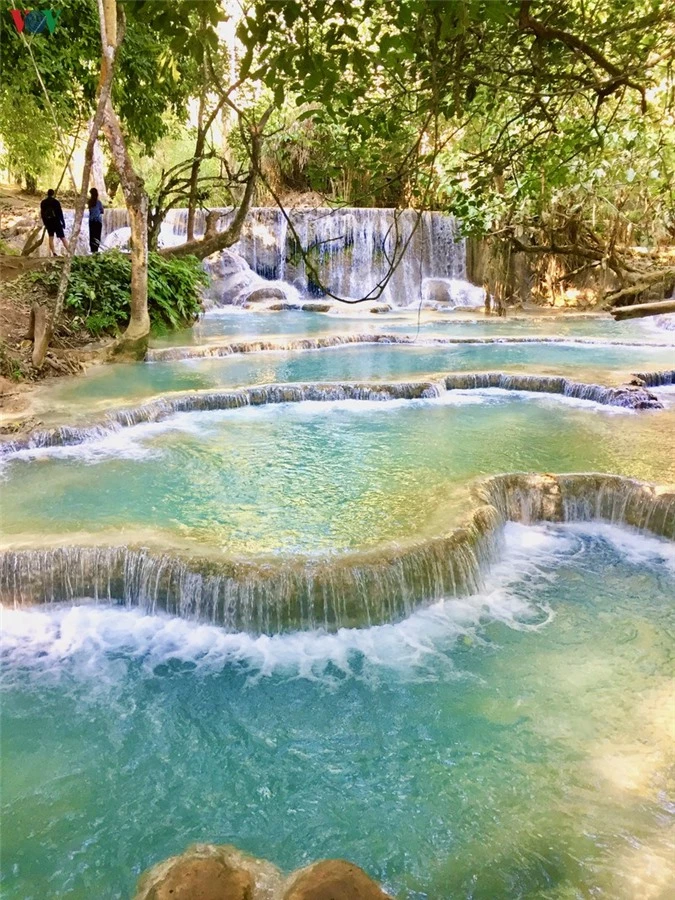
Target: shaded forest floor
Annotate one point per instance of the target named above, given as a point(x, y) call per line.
point(71, 348)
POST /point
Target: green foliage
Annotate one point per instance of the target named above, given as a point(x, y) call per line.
point(99, 291)
point(547, 117)
point(557, 117)
point(174, 299)
point(10, 366)
point(157, 73)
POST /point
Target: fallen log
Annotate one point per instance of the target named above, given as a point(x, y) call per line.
point(642, 310)
point(660, 281)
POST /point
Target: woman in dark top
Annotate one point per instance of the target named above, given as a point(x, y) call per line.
point(95, 220)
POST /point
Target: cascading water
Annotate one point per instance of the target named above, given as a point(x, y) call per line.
point(630, 397)
point(350, 253)
point(352, 590)
point(240, 555)
point(347, 252)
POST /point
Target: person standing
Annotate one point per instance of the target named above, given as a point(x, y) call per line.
point(52, 218)
point(95, 220)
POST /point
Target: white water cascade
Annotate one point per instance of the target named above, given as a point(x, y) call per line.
point(347, 252)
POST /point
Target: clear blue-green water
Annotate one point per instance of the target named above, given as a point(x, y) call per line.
point(121, 384)
point(321, 476)
point(514, 744)
point(236, 324)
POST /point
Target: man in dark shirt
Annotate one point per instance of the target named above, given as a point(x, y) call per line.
point(52, 218)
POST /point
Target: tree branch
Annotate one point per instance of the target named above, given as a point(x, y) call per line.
point(547, 33)
point(222, 239)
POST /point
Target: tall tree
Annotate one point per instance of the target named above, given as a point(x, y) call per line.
point(132, 184)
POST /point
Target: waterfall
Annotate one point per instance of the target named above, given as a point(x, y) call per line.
point(355, 589)
point(199, 401)
point(583, 498)
point(625, 396)
point(352, 250)
point(655, 379)
point(350, 253)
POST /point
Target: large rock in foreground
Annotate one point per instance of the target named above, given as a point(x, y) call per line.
point(210, 872)
point(332, 879)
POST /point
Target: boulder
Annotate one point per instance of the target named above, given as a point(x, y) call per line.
point(210, 872)
point(316, 307)
point(332, 879)
point(436, 290)
point(452, 292)
point(203, 879)
point(265, 293)
point(637, 397)
point(382, 308)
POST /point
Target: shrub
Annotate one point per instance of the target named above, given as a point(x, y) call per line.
point(99, 291)
point(10, 366)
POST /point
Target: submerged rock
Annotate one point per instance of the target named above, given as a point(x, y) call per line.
point(211, 872)
point(332, 879)
point(452, 292)
point(280, 307)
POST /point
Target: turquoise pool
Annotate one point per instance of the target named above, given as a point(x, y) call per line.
point(72, 399)
point(516, 743)
point(511, 742)
point(324, 476)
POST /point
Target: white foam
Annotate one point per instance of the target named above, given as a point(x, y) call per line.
point(118, 443)
point(123, 442)
point(135, 442)
point(666, 394)
point(663, 323)
point(634, 547)
point(87, 639)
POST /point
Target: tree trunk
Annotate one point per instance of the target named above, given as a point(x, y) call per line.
point(194, 174)
point(133, 188)
point(139, 324)
point(112, 182)
point(40, 331)
point(34, 240)
point(136, 200)
point(97, 173)
point(658, 281)
point(109, 53)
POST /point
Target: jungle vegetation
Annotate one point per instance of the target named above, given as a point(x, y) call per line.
point(546, 126)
